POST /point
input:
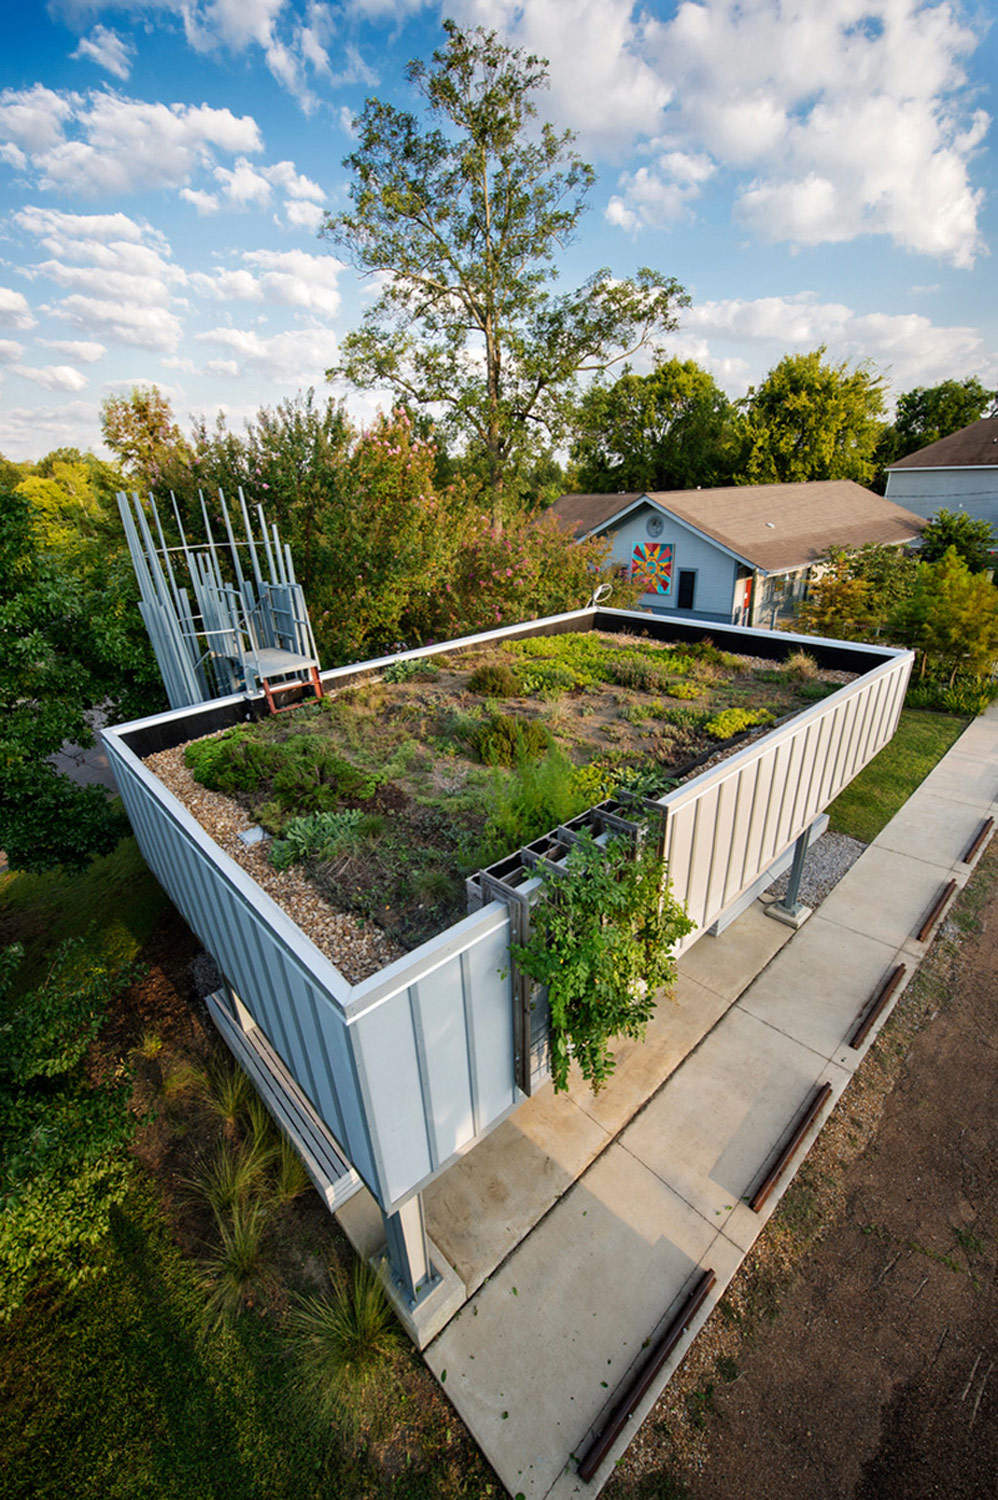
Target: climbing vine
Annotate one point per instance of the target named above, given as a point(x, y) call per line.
point(601, 940)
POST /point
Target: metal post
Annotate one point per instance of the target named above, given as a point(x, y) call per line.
point(408, 1255)
point(790, 910)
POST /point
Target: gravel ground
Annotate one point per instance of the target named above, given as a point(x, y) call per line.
point(358, 949)
point(827, 861)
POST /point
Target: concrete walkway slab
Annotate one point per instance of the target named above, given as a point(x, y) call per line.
point(757, 1080)
point(726, 964)
point(531, 1364)
point(980, 738)
point(885, 895)
point(480, 1210)
point(810, 992)
point(535, 1358)
point(963, 777)
point(678, 1025)
point(933, 828)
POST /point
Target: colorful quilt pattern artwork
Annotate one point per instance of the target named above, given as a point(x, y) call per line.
point(651, 566)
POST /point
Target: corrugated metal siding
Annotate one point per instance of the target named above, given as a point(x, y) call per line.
point(405, 1070)
point(729, 825)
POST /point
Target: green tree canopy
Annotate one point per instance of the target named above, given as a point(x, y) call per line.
point(72, 639)
point(812, 420)
point(141, 430)
point(63, 1162)
point(671, 430)
point(411, 560)
point(929, 413)
point(972, 537)
point(460, 217)
point(950, 619)
point(859, 590)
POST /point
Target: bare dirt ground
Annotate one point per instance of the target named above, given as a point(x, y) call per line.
point(856, 1355)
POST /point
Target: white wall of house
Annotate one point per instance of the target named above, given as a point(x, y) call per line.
point(926, 491)
point(715, 570)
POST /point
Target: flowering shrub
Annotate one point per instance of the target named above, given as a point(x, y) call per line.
point(411, 562)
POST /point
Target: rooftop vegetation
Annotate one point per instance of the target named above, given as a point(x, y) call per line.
point(389, 792)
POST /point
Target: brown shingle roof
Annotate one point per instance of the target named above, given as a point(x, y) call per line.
point(970, 447)
point(771, 526)
point(581, 514)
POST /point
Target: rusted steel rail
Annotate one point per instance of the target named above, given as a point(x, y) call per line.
point(978, 840)
point(804, 1123)
point(638, 1386)
point(875, 1005)
point(938, 907)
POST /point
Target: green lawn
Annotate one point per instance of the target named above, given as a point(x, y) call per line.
point(879, 791)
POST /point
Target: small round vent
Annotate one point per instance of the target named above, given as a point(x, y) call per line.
point(654, 526)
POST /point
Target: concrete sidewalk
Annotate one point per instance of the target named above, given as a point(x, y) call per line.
point(585, 1225)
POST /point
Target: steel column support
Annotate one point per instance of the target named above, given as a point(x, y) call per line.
point(408, 1255)
point(790, 900)
point(790, 910)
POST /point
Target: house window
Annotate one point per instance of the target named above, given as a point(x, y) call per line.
point(687, 588)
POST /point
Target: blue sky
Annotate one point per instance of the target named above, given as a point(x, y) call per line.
point(812, 173)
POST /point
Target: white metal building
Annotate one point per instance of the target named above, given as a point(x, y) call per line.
point(958, 473)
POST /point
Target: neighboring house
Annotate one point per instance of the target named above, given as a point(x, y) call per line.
point(958, 473)
point(739, 554)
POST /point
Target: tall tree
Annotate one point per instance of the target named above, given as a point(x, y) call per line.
point(295, 453)
point(72, 639)
point(671, 430)
point(927, 414)
point(460, 217)
point(812, 420)
point(141, 430)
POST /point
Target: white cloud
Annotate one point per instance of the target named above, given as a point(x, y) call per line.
point(121, 279)
point(10, 350)
point(908, 347)
point(248, 186)
point(176, 362)
point(603, 84)
point(296, 279)
point(107, 50)
point(60, 232)
point(155, 328)
point(229, 286)
point(852, 118)
point(120, 145)
point(295, 47)
point(26, 431)
point(14, 310)
point(301, 354)
point(285, 175)
point(84, 351)
point(301, 215)
point(53, 377)
point(288, 278)
point(205, 203)
point(32, 119)
point(662, 195)
point(244, 185)
point(225, 367)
